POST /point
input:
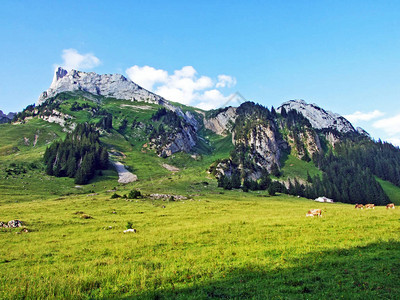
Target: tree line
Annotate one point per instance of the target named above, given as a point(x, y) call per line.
point(78, 156)
point(347, 171)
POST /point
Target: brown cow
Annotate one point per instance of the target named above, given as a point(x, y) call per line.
point(390, 205)
point(368, 206)
point(314, 212)
point(359, 206)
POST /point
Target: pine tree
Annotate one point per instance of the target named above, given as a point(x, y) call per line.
point(71, 166)
point(227, 183)
point(246, 185)
point(80, 177)
point(104, 159)
point(265, 182)
point(236, 179)
point(309, 179)
point(283, 112)
point(221, 180)
point(272, 190)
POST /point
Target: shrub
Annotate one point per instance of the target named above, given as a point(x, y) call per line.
point(115, 195)
point(134, 194)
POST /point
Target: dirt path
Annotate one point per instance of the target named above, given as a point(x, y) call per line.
point(124, 175)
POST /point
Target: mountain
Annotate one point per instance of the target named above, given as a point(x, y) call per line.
point(6, 118)
point(299, 148)
point(318, 117)
point(107, 85)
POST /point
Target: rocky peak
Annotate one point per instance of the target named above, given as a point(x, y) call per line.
point(4, 118)
point(107, 85)
point(318, 117)
point(362, 132)
point(60, 73)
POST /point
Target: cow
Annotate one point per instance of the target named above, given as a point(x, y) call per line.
point(314, 212)
point(368, 206)
point(359, 206)
point(390, 205)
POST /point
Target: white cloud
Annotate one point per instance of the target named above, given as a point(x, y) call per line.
point(360, 116)
point(225, 81)
point(72, 59)
point(212, 99)
point(184, 85)
point(390, 125)
point(395, 141)
point(146, 76)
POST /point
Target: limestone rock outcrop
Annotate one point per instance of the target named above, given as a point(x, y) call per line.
point(107, 85)
point(265, 145)
point(222, 122)
point(318, 117)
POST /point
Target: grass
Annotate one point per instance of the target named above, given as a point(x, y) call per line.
point(231, 245)
point(391, 190)
point(294, 167)
point(216, 244)
point(17, 140)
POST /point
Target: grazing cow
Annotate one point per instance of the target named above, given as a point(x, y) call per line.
point(130, 230)
point(314, 212)
point(368, 206)
point(390, 205)
point(359, 206)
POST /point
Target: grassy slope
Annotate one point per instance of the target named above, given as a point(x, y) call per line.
point(214, 246)
point(294, 167)
point(12, 135)
point(391, 190)
point(221, 244)
point(145, 164)
point(35, 184)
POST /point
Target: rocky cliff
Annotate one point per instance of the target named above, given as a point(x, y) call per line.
point(318, 117)
point(222, 122)
point(304, 143)
point(264, 144)
point(108, 85)
point(184, 141)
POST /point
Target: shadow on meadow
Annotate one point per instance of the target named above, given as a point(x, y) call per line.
point(370, 272)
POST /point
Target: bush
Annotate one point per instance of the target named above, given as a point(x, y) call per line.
point(115, 195)
point(134, 194)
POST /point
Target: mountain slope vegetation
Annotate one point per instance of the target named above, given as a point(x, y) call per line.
point(262, 141)
point(222, 205)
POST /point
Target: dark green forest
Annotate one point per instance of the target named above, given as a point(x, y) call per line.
point(78, 156)
point(349, 169)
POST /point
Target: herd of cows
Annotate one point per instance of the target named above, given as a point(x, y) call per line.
point(318, 212)
point(368, 206)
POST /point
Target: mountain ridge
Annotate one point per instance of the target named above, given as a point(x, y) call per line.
point(244, 147)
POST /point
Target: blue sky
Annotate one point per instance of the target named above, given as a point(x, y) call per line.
point(342, 55)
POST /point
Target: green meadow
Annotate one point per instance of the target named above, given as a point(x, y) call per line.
point(220, 245)
point(215, 244)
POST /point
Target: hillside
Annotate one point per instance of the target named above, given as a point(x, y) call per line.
point(249, 147)
point(218, 209)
